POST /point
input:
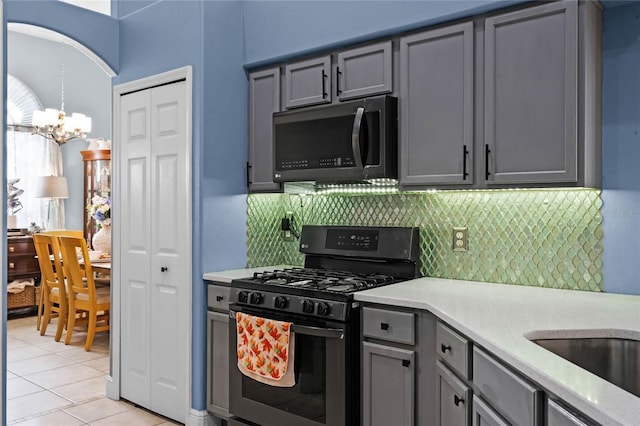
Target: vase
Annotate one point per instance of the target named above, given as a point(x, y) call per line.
point(101, 240)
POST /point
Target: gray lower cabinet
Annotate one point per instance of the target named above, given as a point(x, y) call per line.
point(388, 385)
point(364, 71)
point(484, 415)
point(557, 415)
point(453, 402)
point(307, 82)
point(517, 400)
point(398, 367)
point(218, 351)
point(264, 100)
point(436, 107)
point(218, 363)
point(531, 98)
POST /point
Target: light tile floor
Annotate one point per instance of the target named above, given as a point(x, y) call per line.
point(53, 384)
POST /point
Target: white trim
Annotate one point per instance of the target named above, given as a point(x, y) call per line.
point(184, 73)
point(3, 258)
point(199, 418)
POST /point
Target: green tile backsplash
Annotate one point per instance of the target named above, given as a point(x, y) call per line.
point(547, 238)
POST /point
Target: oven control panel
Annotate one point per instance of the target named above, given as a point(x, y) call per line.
point(302, 305)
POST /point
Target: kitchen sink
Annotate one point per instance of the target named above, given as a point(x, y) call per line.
point(616, 360)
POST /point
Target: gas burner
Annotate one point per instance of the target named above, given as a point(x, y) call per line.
point(342, 288)
point(276, 281)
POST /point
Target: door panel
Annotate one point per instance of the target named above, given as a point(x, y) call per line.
point(135, 279)
point(169, 250)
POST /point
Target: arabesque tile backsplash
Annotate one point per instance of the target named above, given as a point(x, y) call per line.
point(546, 238)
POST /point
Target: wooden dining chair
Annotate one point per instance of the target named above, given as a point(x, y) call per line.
point(53, 295)
point(83, 295)
point(55, 233)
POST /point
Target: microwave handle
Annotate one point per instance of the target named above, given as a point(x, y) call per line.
point(355, 139)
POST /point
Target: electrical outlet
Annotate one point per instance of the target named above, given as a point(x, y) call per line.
point(286, 227)
point(460, 241)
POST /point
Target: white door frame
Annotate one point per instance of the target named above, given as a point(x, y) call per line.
point(3, 258)
point(184, 73)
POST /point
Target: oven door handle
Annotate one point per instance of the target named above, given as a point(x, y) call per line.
point(332, 333)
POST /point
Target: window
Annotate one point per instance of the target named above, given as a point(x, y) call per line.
point(28, 155)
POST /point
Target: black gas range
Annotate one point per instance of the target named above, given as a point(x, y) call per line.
point(318, 300)
point(339, 261)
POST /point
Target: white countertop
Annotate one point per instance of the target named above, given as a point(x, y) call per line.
point(497, 316)
point(232, 274)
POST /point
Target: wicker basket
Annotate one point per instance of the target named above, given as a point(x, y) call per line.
point(28, 297)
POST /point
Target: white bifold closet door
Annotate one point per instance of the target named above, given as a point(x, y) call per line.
point(155, 249)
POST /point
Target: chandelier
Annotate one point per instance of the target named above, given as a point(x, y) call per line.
point(56, 125)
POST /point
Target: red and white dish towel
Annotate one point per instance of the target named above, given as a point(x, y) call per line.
point(266, 350)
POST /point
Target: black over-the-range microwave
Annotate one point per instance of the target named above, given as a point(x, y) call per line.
point(347, 142)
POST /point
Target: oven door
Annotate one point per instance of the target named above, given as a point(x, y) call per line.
point(326, 391)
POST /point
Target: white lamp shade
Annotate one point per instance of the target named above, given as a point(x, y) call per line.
point(51, 187)
point(37, 119)
point(51, 116)
point(81, 122)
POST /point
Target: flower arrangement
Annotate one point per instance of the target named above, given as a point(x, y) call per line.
point(100, 210)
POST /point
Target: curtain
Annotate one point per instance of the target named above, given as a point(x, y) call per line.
point(30, 156)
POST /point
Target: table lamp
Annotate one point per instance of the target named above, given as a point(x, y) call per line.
point(53, 188)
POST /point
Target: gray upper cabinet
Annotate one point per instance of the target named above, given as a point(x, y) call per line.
point(264, 100)
point(436, 107)
point(531, 95)
point(308, 82)
point(364, 71)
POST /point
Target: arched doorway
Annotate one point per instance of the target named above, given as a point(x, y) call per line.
point(36, 51)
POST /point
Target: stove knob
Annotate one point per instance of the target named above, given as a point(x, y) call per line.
point(243, 296)
point(324, 308)
point(307, 306)
point(280, 302)
point(256, 298)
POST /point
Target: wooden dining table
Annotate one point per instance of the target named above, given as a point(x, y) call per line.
point(102, 267)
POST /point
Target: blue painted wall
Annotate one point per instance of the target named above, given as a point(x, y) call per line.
point(277, 30)
point(621, 149)
point(97, 32)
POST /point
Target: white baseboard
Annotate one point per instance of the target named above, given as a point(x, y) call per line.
point(200, 418)
point(112, 389)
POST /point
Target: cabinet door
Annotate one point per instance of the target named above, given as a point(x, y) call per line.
point(388, 385)
point(364, 71)
point(308, 82)
point(558, 416)
point(436, 107)
point(264, 100)
point(483, 414)
point(218, 363)
point(531, 79)
point(453, 399)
